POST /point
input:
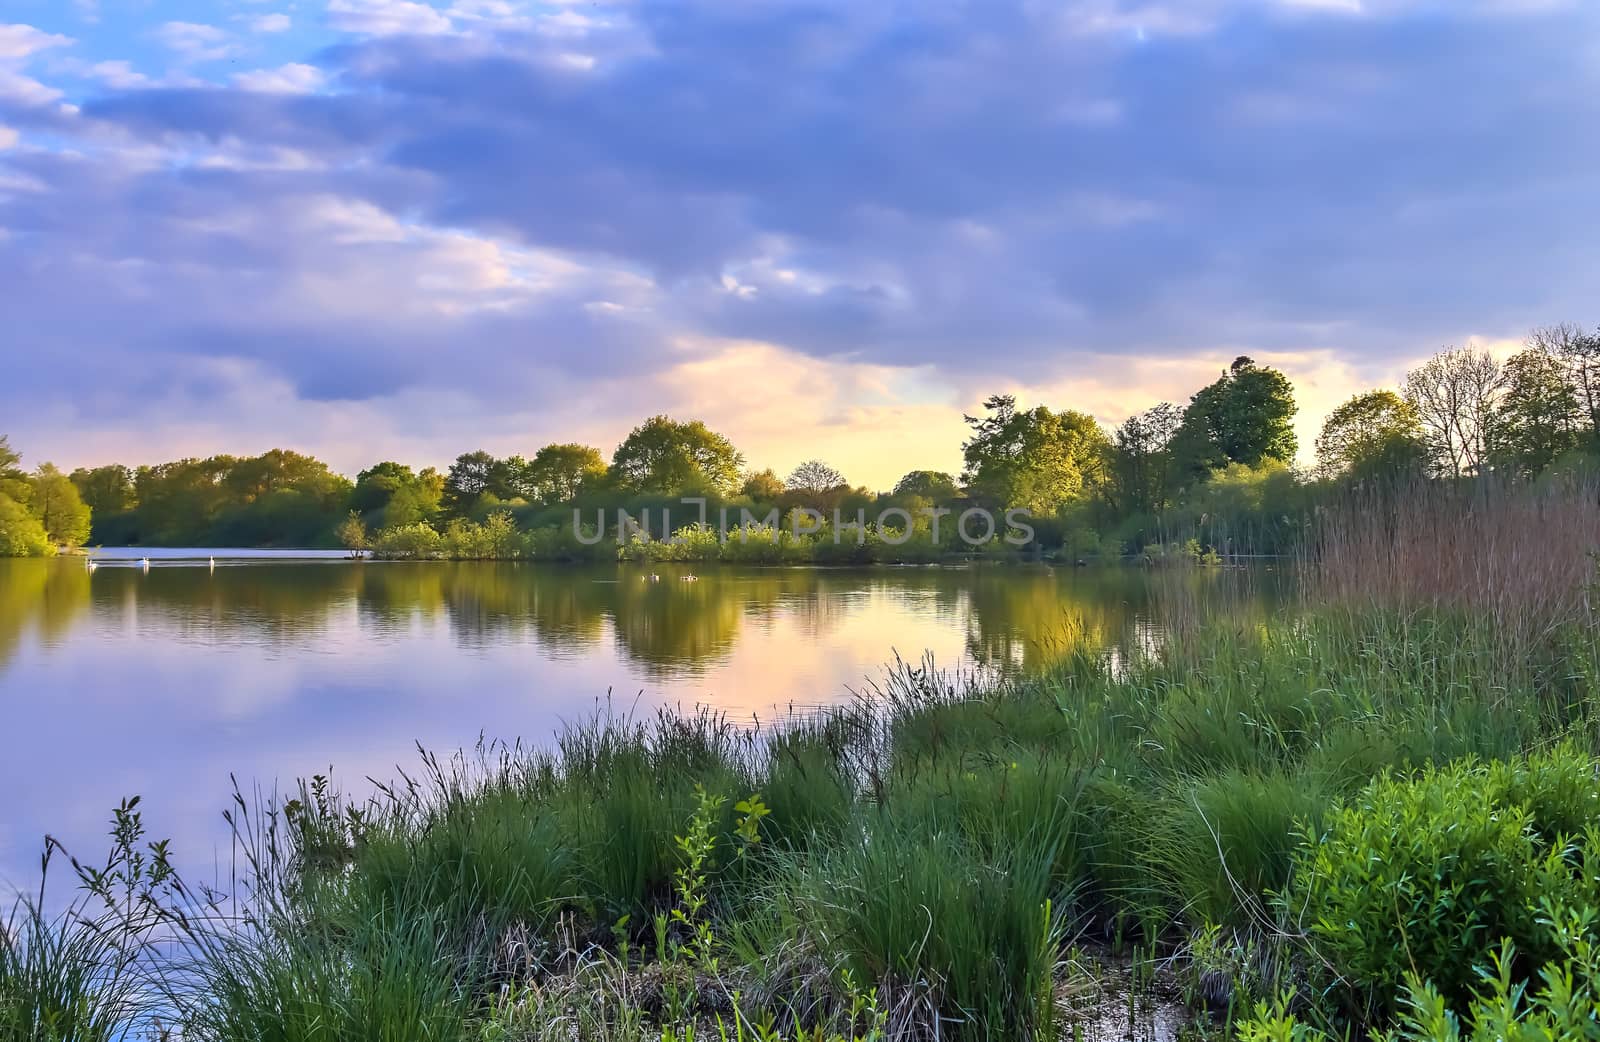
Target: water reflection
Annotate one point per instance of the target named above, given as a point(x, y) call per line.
point(164, 682)
point(1010, 616)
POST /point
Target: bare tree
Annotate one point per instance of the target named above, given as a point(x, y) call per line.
point(815, 477)
point(1455, 393)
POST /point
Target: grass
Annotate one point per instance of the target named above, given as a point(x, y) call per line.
point(1355, 816)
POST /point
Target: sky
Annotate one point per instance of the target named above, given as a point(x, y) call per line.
point(395, 229)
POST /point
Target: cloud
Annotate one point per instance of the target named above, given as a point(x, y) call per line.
point(195, 42)
point(21, 41)
point(271, 23)
point(473, 218)
point(386, 17)
point(294, 78)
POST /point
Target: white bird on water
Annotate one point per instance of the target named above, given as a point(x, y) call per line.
point(144, 563)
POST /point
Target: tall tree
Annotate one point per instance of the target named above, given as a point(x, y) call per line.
point(1244, 417)
point(472, 476)
point(1036, 459)
point(1537, 416)
point(1454, 393)
point(663, 455)
point(59, 508)
point(1375, 432)
point(1142, 472)
point(107, 489)
point(558, 473)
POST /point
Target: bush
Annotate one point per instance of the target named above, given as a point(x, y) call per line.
point(1428, 876)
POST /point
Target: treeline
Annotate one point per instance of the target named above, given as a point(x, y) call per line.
point(1216, 474)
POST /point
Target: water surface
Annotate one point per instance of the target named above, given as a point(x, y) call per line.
point(165, 680)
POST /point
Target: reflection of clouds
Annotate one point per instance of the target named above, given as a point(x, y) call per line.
point(164, 685)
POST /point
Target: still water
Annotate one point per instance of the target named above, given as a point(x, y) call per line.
point(164, 680)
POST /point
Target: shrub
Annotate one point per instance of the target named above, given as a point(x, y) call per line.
point(1427, 876)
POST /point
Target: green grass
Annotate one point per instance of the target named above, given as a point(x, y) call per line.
point(1260, 802)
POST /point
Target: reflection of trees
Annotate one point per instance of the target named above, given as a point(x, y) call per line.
point(262, 604)
point(673, 626)
point(1015, 617)
point(49, 595)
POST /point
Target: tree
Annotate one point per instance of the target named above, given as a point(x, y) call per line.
point(1244, 417)
point(1580, 351)
point(21, 534)
point(1373, 433)
point(558, 473)
point(933, 485)
point(107, 490)
point(13, 482)
point(59, 508)
point(472, 476)
point(389, 495)
point(352, 532)
point(1537, 416)
point(1035, 459)
point(663, 455)
point(1454, 394)
point(1141, 472)
point(814, 477)
point(762, 486)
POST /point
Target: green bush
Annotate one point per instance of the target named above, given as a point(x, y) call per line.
point(1428, 876)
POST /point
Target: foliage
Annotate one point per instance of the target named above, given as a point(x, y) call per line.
point(1244, 417)
point(1036, 459)
point(1536, 417)
point(22, 534)
point(561, 473)
point(666, 455)
point(1375, 433)
point(1429, 875)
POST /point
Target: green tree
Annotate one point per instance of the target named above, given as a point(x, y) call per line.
point(1375, 432)
point(391, 495)
point(1537, 416)
point(1141, 469)
point(559, 473)
point(1036, 459)
point(107, 490)
point(1580, 351)
point(59, 508)
point(13, 481)
point(933, 485)
point(663, 455)
point(21, 534)
point(762, 486)
point(473, 476)
point(1244, 417)
point(352, 532)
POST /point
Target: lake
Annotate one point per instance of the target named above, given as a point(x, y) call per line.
point(164, 680)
